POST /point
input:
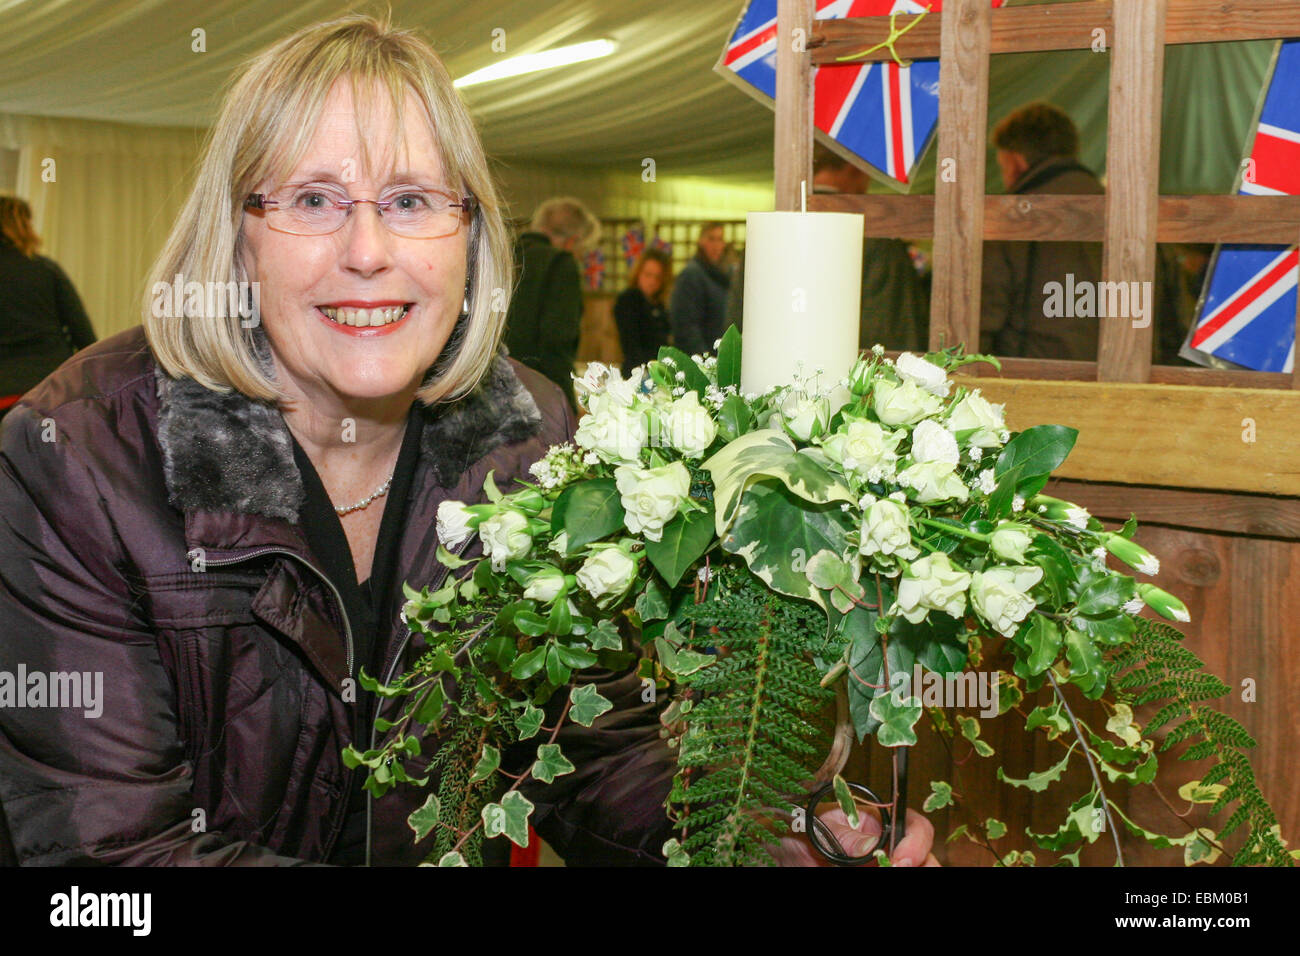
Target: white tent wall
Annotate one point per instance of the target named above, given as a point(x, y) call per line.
point(103, 196)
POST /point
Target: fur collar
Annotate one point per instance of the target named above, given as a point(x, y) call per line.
point(226, 452)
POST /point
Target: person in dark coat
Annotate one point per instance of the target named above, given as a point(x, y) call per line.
point(698, 307)
point(42, 321)
point(1037, 146)
point(639, 311)
point(545, 316)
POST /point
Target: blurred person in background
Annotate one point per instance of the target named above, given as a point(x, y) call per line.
point(42, 322)
point(545, 317)
point(641, 311)
point(698, 307)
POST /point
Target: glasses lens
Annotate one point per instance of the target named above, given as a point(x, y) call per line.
point(422, 213)
point(310, 210)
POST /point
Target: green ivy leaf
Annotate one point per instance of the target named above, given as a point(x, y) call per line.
point(680, 662)
point(652, 605)
point(529, 722)
point(684, 540)
point(430, 712)
point(676, 854)
point(452, 858)
point(423, 820)
point(970, 729)
point(487, 764)
point(551, 763)
point(510, 817)
point(996, 829)
point(940, 796)
point(587, 704)
point(896, 720)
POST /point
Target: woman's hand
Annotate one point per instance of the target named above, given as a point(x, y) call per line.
point(912, 850)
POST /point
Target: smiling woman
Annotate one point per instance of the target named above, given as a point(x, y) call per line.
point(217, 513)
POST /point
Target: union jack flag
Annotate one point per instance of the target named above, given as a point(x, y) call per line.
point(593, 268)
point(1247, 313)
point(633, 245)
point(881, 113)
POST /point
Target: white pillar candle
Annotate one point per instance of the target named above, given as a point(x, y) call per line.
point(803, 282)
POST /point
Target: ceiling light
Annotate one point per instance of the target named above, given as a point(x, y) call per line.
point(545, 60)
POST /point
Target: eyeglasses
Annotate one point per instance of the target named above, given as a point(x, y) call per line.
point(314, 209)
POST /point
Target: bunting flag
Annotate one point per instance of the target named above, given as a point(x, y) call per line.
point(633, 243)
point(593, 269)
point(882, 114)
point(1247, 313)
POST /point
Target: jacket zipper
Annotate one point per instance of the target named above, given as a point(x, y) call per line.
point(341, 815)
point(401, 649)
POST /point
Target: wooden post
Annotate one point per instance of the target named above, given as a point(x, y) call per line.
point(792, 151)
point(1132, 183)
point(959, 185)
point(1295, 365)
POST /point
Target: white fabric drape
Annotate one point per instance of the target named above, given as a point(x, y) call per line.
point(103, 197)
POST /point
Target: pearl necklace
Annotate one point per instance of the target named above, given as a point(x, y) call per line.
point(365, 502)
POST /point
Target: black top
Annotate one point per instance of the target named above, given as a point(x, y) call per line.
point(545, 316)
point(366, 604)
point(42, 321)
point(642, 327)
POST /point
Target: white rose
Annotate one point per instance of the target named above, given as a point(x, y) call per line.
point(863, 446)
point(974, 412)
point(903, 404)
point(689, 427)
point(930, 583)
point(999, 597)
point(614, 432)
point(804, 417)
point(651, 496)
point(505, 538)
point(1010, 540)
point(933, 481)
point(932, 442)
point(453, 524)
point(607, 573)
point(885, 530)
point(545, 585)
point(913, 368)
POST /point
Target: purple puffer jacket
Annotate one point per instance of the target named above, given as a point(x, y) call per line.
point(221, 714)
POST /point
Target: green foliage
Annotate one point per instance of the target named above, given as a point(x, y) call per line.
point(752, 738)
point(1157, 668)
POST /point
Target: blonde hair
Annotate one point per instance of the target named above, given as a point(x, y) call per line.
point(567, 218)
point(266, 122)
point(16, 225)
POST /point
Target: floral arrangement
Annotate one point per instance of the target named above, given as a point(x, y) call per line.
point(787, 567)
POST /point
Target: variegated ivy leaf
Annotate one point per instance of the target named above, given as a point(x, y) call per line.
point(675, 854)
point(1039, 781)
point(996, 829)
point(970, 729)
point(1201, 848)
point(605, 636)
point(768, 453)
point(897, 718)
point(587, 704)
point(529, 722)
point(423, 820)
point(679, 661)
point(1122, 726)
point(487, 764)
point(940, 796)
point(510, 817)
point(1196, 792)
point(452, 859)
point(844, 797)
point(551, 763)
point(829, 572)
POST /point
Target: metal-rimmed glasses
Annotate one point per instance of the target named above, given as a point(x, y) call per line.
point(317, 209)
